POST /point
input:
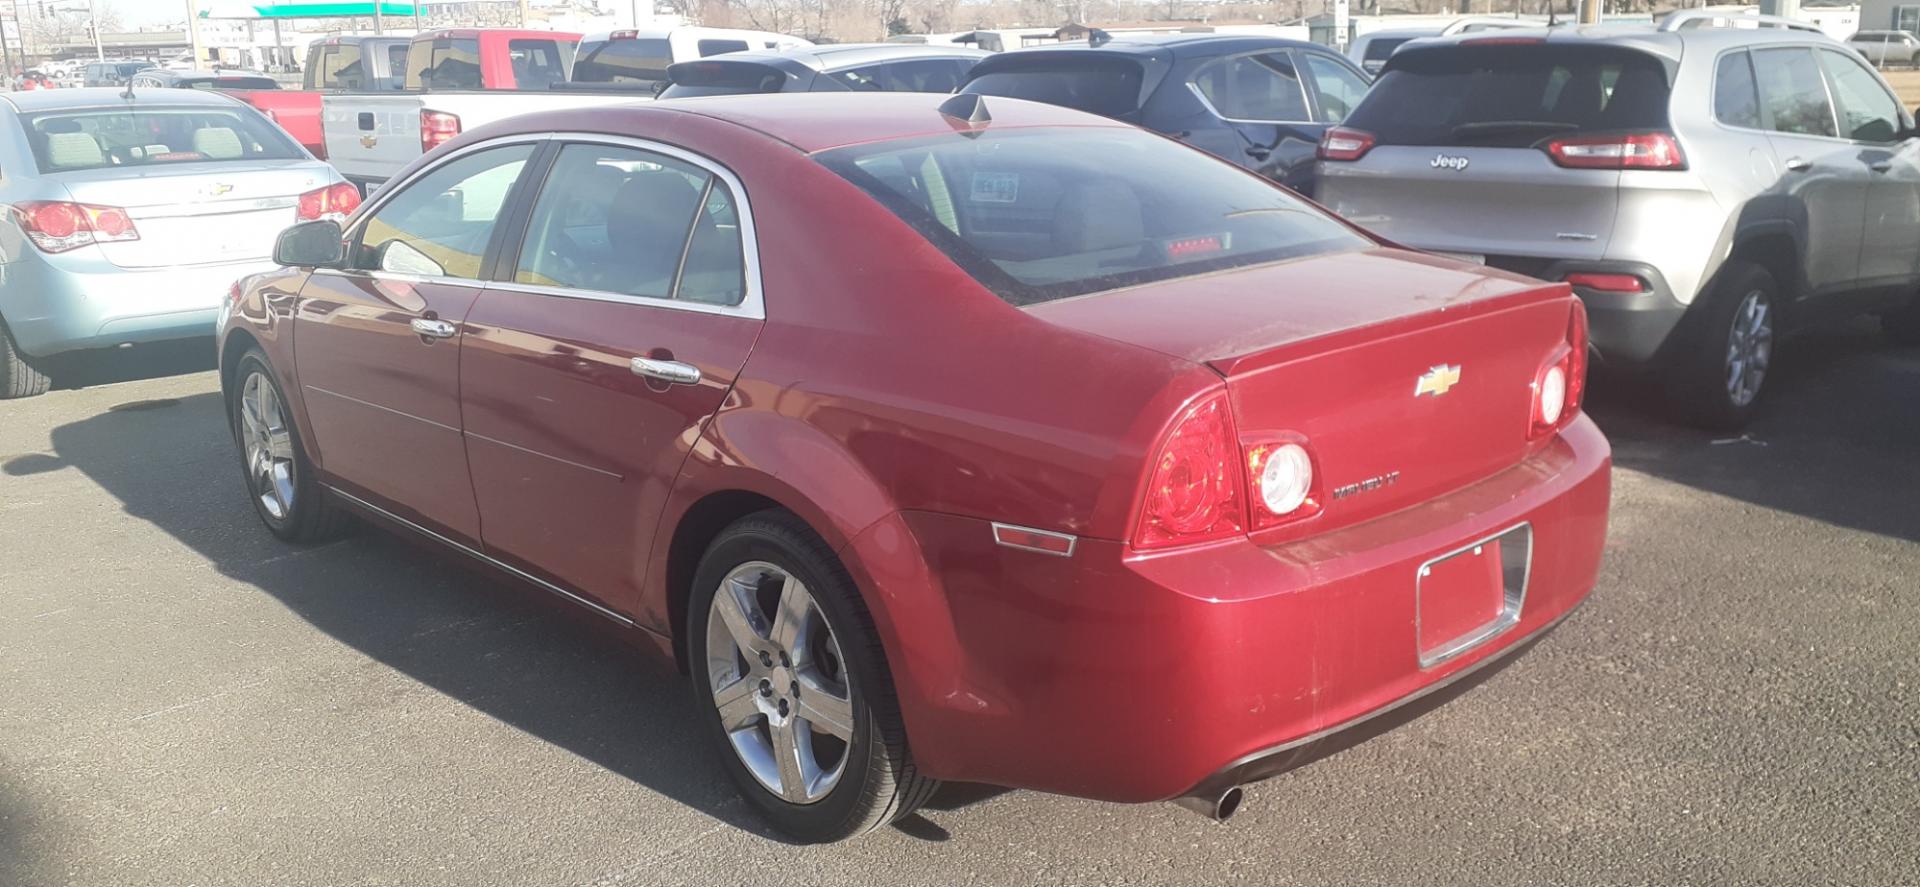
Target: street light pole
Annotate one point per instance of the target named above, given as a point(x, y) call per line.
point(193, 33)
point(93, 27)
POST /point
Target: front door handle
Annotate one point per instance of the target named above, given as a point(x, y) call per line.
point(672, 372)
point(1881, 166)
point(432, 329)
point(1798, 164)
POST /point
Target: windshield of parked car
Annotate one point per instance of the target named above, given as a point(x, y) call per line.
point(1104, 85)
point(1042, 214)
point(64, 141)
point(1511, 95)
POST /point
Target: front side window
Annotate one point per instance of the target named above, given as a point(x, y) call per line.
point(439, 224)
point(152, 136)
point(637, 223)
point(1254, 87)
point(1043, 214)
point(1340, 89)
point(1736, 98)
point(1793, 92)
point(1868, 113)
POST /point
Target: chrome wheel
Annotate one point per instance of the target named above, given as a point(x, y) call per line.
point(779, 682)
point(1749, 348)
point(268, 441)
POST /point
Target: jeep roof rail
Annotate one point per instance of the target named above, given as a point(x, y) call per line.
point(1685, 19)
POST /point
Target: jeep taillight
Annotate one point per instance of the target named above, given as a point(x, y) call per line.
point(1633, 150)
point(1194, 484)
point(1342, 143)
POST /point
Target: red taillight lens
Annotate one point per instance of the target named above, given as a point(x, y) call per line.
point(1635, 150)
point(1341, 143)
point(1562, 380)
point(56, 226)
point(437, 128)
point(1282, 482)
point(1194, 483)
point(1607, 283)
point(335, 202)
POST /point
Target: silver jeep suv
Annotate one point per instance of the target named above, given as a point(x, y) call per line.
point(1701, 184)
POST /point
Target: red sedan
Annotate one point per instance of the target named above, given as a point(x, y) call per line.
point(938, 438)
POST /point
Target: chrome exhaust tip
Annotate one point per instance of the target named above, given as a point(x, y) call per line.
point(1218, 806)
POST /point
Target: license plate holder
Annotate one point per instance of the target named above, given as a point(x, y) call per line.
point(1470, 595)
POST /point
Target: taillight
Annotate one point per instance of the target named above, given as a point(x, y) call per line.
point(1194, 484)
point(335, 201)
point(56, 226)
point(437, 128)
point(1634, 150)
point(1562, 381)
point(1282, 479)
point(1341, 143)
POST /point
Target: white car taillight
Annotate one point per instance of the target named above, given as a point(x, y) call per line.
point(1562, 381)
point(1282, 476)
point(1553, 394)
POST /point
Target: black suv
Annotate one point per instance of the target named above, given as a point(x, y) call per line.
point(1261, 102)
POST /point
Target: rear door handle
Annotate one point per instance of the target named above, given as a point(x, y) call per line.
point(432, 329)
point(672, 372)
point(1798, 164)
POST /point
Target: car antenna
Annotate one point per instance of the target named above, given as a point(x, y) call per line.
point(966, 108)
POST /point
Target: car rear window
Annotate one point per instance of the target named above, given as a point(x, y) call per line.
point(92, 139)
point(1379, 49)
point(623, 61)
point(1512, 95)
point(1043, 214)
point(1109, 87)
point(722, 78)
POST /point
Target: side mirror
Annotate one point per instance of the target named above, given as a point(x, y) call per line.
point(311, 245)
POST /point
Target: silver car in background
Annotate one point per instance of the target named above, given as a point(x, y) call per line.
point(1701, 185)
point(1887, 48)
point(127, 220)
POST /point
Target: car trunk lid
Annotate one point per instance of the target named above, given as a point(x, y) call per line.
point(1409, 375)
point(193, 214)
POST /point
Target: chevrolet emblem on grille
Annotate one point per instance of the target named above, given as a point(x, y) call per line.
point(369, 140)
point(1437, 381)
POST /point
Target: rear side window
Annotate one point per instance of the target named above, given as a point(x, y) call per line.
point(1042, 214)
point(1379, 50)
point(1736, 98)
point(1792, 92)
point(633, 222)
point(722, 78)
point(1868, 113)
point(152, 136)
point(623, 61)
point(1109, 87)
point(918, 75)
point(538, 64)
point(1253, 87)
point(1512, 95)
point(449, 63)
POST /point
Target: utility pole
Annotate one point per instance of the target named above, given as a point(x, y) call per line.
point(93, 27)
point(1590, 11)
point(193, 33)
point(377, 30)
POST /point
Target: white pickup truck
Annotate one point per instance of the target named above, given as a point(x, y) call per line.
point(460, 79)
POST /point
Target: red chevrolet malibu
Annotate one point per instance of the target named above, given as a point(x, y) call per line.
point(938, 438)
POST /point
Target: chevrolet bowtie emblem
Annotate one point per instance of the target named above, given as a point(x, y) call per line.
point(368, 141)
point(1437, 381)
point(219, 188)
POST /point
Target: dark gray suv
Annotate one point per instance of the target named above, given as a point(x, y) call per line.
point(1703, 185)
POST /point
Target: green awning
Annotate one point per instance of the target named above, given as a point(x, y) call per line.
point(305, 10)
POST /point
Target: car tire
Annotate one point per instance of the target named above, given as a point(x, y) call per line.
point(18, 378)
point(1721, 374)
point(1902, 327)
point(831, 668)
point(273, 461)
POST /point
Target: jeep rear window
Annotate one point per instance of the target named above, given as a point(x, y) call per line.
point(1512, 95)
point(1042, 214)
point(1106, 86)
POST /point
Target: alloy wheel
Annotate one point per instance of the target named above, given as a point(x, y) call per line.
point(1749, 348)
point(268, 441)
point(779, 682)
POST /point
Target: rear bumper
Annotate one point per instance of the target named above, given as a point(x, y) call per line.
point(93, 304)
point(1128, 678)
point(1627, 329)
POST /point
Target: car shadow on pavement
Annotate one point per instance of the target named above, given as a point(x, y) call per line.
point(516, 654)
point(1836, 439)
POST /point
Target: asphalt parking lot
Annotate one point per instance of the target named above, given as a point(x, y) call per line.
point(184, 700)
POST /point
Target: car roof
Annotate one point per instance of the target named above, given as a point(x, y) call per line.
point(1664, 44)
point(840, 56)
point(1179, 44)
point(810, 121)
point(109, 97)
